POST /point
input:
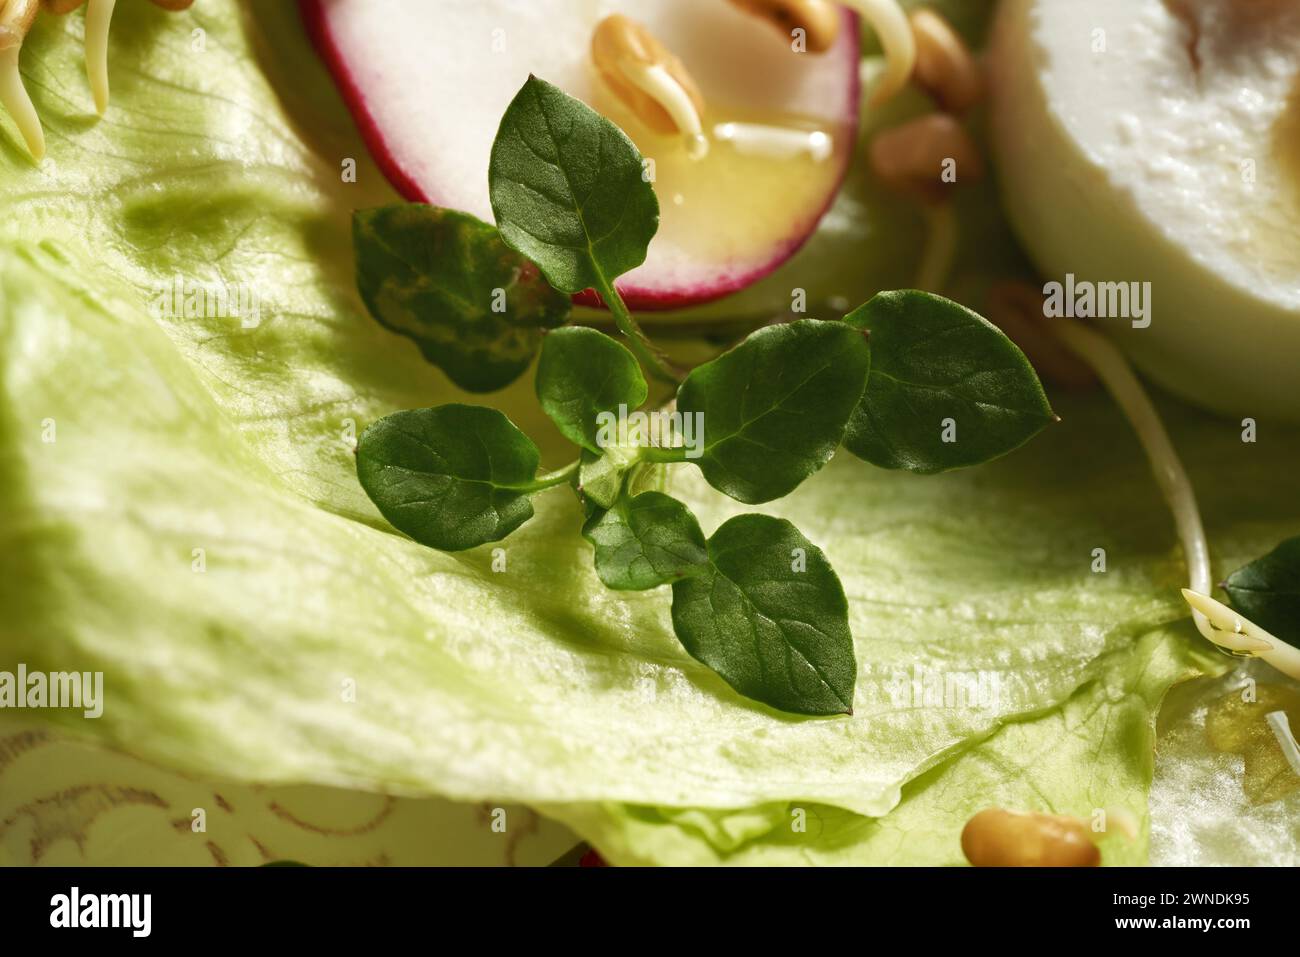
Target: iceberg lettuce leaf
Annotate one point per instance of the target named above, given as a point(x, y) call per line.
point(1093, 754)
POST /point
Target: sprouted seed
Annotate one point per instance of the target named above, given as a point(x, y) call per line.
point(889, 21)
point(944, 66)
point(818, 19)
point(650, 80)
point(1236, 633)
point(16, 18)
point(914, 158)
point(1214, 620)
point(820, 23)
point(996, 837)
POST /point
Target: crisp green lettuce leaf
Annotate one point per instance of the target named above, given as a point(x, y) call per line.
point(1094, 753)
point(307, 642)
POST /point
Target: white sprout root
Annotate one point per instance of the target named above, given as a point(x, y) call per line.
point(1230, 626)
point(661, 86)
point(16, 18)
point(14, 98)
point(889, 21)
point(775, 142)
point(1281, 727)
point(1214, 620)
point(99, 14)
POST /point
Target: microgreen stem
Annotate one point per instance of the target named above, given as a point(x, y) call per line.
point(549, 479)
point(640, 344)
point(663, 455)
point(1116, 374)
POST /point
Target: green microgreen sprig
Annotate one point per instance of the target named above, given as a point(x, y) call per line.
point(907, 381)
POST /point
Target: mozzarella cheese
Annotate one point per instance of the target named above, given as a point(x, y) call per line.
point(1159, 141)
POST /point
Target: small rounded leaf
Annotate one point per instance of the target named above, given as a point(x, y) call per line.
point(567, 191)
point(582, 373)
point(451, 477)
point(947, 388)
point(645, 541)
point(475, 307)
point(774, 407)
point(773, 626)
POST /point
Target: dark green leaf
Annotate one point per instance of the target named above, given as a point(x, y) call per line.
point(567, 190)
point(1267, 591)
point(451, 477)
point(775, 406)
point(940, 372)
point(646, 541)
point(768, 615)
point(600, 477)
point(474, 306)
point(582, 373)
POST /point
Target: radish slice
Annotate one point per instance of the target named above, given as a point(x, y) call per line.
point(428, 83)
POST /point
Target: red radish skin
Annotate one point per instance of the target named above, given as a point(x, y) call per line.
point(313, 18)
point(722, 282)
